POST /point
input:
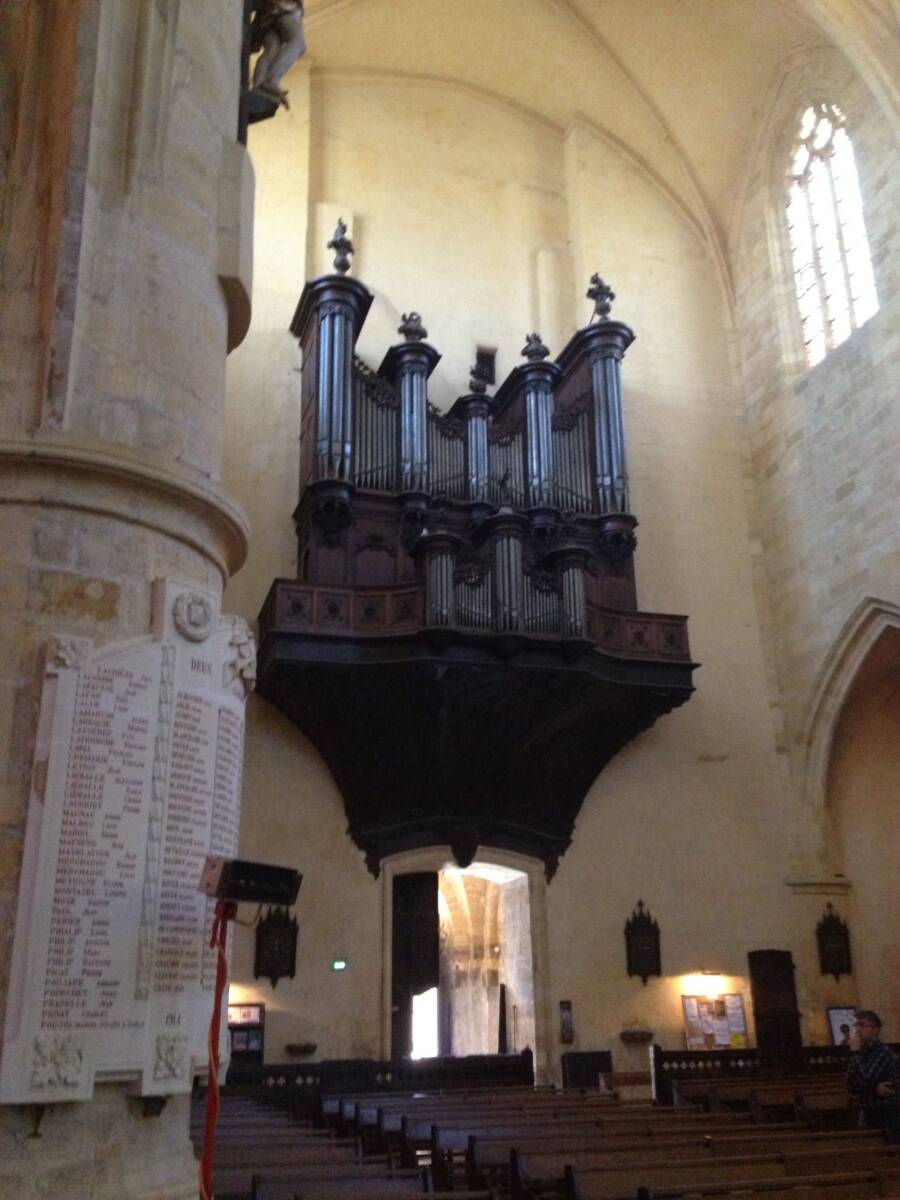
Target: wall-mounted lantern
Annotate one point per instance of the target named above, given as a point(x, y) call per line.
point(833, 938)
point(642, 944)
point(276, 946)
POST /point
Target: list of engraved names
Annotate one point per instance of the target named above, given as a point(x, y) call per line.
point(90, 966)
point(179, 937)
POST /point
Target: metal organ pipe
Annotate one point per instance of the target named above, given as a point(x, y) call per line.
point(440, 589)
point(408, 365)
point(323, 396)
point(413, 427)
point(447, 452)
point(477, 447)
point(334, 437)
point(439, 549)
point(375, 431)
point(508, 572)
point(574, 608)
point(538, 379)
point(473, 411)
point(572, 462)
point(610, 340)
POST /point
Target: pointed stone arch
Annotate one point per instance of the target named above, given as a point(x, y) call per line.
point(872, 620)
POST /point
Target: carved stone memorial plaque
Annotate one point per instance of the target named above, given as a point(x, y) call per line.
point(136, 778)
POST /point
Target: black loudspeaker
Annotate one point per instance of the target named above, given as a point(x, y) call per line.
point(250, 882)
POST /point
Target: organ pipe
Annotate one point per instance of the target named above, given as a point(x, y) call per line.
point(608, 342)
point(330, 314)
point(537, 380)
point(408, 366)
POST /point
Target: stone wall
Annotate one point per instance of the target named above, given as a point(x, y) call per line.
point(475, 245)
point(109, 462)
point(107, 1148)
point(822, 467)
point(824, 479)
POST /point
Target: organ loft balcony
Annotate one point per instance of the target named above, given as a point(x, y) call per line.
point(463, 642)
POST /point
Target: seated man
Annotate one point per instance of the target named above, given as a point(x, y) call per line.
point(873, 1076)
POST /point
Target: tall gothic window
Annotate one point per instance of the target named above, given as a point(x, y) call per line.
point(832, 267)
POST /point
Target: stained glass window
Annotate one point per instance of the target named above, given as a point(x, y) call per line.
point(833, 275)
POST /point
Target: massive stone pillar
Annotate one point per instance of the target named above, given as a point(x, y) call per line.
point(124, 261)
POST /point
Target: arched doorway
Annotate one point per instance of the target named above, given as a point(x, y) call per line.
point(487, 924)
point(863, 809)
point(486, 962)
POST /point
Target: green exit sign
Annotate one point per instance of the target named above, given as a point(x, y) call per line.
point(339, 964)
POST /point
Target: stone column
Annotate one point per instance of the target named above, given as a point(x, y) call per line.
point(114, 327)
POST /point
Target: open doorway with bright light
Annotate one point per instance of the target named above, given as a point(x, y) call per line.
point(462, 962)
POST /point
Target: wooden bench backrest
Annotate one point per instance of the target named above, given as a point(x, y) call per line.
point(855, 1185)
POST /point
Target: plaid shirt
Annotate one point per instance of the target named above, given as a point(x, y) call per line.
point(871, 1065)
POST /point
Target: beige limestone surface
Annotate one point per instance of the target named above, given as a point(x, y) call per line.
point(488, 157)
point(113, 334)
point(487, 191)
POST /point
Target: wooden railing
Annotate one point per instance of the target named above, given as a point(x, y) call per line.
point(669, 1068)
point(336, 1076)
point(294, 607)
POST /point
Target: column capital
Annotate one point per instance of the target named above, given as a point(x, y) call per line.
point(408, 354)
point(470, 406)
point(331, 289)
point(605, 339)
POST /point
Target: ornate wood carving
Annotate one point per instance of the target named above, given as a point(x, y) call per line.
point(833, 938)
point(276, 946)
point(463, 643)
point(642, 944)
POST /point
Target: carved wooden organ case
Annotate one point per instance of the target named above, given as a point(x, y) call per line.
point(463, 643)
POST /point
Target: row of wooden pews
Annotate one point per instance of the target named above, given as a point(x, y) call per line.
point(815, 1099)
point(526, 1144)
point(269, 1154)
point(589, 1147)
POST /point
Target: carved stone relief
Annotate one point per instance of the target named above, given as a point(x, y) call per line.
point(172, 1057)
point(57, 1062)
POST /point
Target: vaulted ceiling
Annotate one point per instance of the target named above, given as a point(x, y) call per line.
point(683, 84)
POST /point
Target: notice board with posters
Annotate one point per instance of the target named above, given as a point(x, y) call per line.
point(715, 1023)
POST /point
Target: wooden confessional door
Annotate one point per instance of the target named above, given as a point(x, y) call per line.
point(775, 1001)
point(415, 951)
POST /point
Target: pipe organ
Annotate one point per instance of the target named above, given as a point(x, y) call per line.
point(445, 559)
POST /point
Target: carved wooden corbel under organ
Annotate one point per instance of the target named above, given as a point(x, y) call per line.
point(463, 643)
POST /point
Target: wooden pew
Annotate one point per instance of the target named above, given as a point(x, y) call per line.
point(782, 1102)
point(485, 1162)
point(452, 1139)
point(608, 1179)
point(239, 1179)
point(736, 1095)
point(376, 1119)
point(852, 1185)
point(822, 1109)
point(266, 1186)
point(286, 1190)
